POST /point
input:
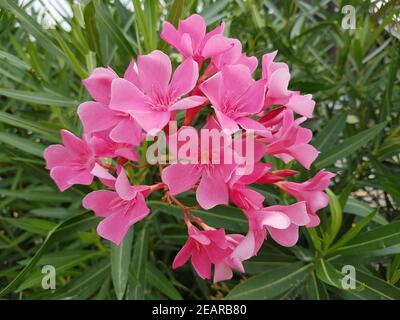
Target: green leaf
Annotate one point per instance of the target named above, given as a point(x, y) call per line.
point(378, 238)
point(361, 209)
point(40, 98)
point(328, 274)
point(354, 231)
point(113, 30)
point(160, 282)
point(64, 227)
point(86, 283)
point(10, 59)
point(39, 226)
point(335, 218)
point(270, 284)
point(139, 266)
point(31, 26)
point(29, 125)
point(348, 146)
point(120, 261)
point(328, 136)
point(22, 144)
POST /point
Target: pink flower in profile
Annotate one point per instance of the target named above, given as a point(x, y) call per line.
point(310, 191)
point(281, 222)
point(149, 96)
point(70, 163)
point(205, 248)
point(278, 77)
point(235, 96)
point(191, 39)
point(120, 208)
point(288, 140)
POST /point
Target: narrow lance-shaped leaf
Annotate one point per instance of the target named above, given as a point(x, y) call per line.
point(120, 261)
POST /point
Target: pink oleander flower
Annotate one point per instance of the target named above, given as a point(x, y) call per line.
point(70, 163)
point(280, 222)
point(151, 99)
point(310, 191)
point(288, 140)
point(213, 177)
point(277, 76)
point(191, 39)
point(235, 96)
point(212, 247)
point(120, 208)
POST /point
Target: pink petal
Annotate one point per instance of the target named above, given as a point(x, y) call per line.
point(222, 272)
point(96, 116)
point(124, 188)
point(184, 78)
point(188, 102)
point(154, 72)
point(56, 155)
point(101, 202)
point(125, 96)
point(74, 144)
point(127, 131)
point(131, 74)
point(67, 176)
point(211, 191)
point(201, 264)
point(170, 35)
point(278, 83)
point(98, 84)
point(151, 121)
point(216, 44)
point(195, 27)
point(287, 237)
point(227, 124)
point(212, 89)
point(274, 219)
point(304, 153)
point(180, 177)
point(183, 255)
point(303, 105)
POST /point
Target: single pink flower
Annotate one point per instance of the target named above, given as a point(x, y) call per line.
point(120, 208)
point(281, 222)
point(288, 140)
point(206, 248)
point(70, 163)
point(278, 77)
point(310, 191)
point(152, 100)
point(191, 39)
point(235, 96)
point(207, 166)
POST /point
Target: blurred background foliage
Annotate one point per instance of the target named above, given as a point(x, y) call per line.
point(47, 47)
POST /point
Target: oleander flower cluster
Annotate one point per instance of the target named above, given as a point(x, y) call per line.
point(215, 88)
